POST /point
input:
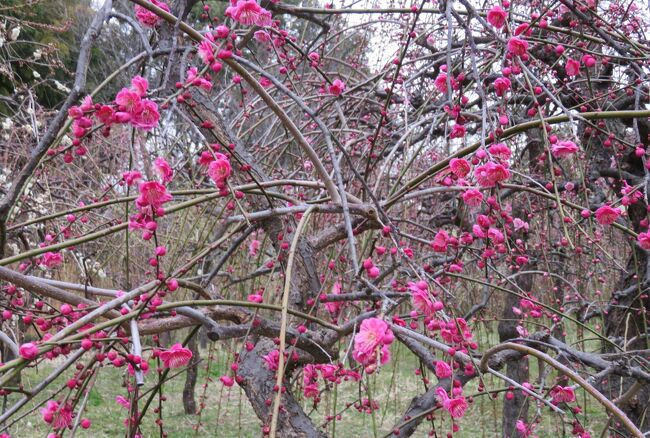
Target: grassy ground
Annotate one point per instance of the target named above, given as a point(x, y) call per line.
point(227, 413)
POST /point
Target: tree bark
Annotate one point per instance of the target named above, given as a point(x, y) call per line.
point(259, 383)
point(189, 403)
point(625, 315)
point(516, 408)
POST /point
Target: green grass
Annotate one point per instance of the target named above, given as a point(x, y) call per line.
point(228, 414)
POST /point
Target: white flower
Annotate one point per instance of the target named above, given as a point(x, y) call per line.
point(13, 35)
point(14, 248)
point(36, 74)
point(38, 53)
point(59, 86)
point(7, 124)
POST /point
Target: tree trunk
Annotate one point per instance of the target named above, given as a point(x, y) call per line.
point(626, 325)
point(189, 403)
point(517, 407)
point(625, 321)
point(259, 383)
point(258, 380)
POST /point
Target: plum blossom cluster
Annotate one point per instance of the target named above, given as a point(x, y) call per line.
point(423, 301)
point(58, 415)
point(491, 167)
point(484, 238)
point(148, 18)
point(130, 106)
point(272, 359)
point(194, 79)
point(333, 307)
point(153, 195)
point(218, 169)
point(334, 374)
point(558, 395)
point(528, 308)
point(53, 259)
point(456, 333)
point(491, 173)
point(495, 223)
point(371, 270)
point(206, 48)
point(630, 195)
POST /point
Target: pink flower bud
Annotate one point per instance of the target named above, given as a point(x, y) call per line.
point(28, 351)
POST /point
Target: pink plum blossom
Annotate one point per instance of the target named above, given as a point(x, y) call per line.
point(248, 13)
point(517, 46)
point(491, 173)
point(272, 360)
point(563, 149)
point(572, 67)
point(497, 16)
point(176, 357)
point(443, 370)
point(51, 260)
point(337, 87)
point(501, 86)
point(562, 394)
point(163, 169)
point(472, 197)
point(500, 150)
point(440, 241)
point(459, 166)
point(153, 195)
point(219, 170)
point(60, 417)
point(644, 240)
point(607, 215)
point(374, 334)
point(455, 406)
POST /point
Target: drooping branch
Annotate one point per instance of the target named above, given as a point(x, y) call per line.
point(607, 404)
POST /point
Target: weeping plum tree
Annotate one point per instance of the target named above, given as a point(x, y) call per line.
point(319, 190)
